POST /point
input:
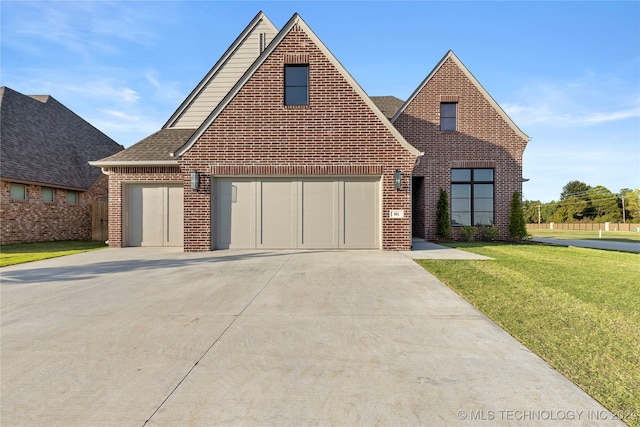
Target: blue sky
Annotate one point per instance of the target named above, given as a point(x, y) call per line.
point(568, 73)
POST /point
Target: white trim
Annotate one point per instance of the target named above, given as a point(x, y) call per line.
point(107, 163)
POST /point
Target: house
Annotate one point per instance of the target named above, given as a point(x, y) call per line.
point(278, 147)
point(472, 149)
point(47, 186)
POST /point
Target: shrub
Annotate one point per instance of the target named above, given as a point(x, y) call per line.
point(489, 232)
point(517, 226)
point(443, 224)
point(468, 233)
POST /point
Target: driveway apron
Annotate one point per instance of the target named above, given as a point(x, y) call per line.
point(162, 338)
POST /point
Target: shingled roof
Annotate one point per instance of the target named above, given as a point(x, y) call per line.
point(155, 149)
point(45, 143)
point(389, 105)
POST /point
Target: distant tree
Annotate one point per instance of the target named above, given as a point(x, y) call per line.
point(443, 223)
point(604, 204)
point(632, 203)
point(531, 208)
point(574, 189)
point(517, 226)
point(623, 196)
point(569, 210)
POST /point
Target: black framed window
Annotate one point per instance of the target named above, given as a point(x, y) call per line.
point(472, 197)
point(448, 116)
point(296, 84)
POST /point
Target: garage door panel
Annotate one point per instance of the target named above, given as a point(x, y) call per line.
point(360, 214)
point(277, 214)
point(235, 224)
point(154, 215)
point(319, 214)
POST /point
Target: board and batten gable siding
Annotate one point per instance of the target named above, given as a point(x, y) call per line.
point(337, 134)
point(226, 77)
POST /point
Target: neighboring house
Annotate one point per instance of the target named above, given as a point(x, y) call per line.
point(47, 185)
point(278, 147)
point(472, 149)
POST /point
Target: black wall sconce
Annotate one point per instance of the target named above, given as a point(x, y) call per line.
point(398, 179)
point(195, 180)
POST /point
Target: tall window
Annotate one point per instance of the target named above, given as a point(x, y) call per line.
point(296, 84)
point(448, 116)
point(472, 197)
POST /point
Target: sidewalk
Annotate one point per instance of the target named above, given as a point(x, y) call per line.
point(594, 244)
point(421, 249)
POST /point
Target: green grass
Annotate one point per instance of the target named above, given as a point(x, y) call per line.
point(618, 236)
point(578, 309)
point(26, 252)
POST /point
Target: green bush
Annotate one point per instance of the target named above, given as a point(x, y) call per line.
point(489, 232)
point(443, 223)
point(517, 226)
point(468, 233)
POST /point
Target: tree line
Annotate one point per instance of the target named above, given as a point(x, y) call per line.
point(580, 202)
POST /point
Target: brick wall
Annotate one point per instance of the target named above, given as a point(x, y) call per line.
point(118, 178)
point(33, 220)
point(483, 139)
point(336, 129)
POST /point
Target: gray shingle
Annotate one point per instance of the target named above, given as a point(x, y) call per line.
point(389, 105)
point(42, 141)
point(155, 147)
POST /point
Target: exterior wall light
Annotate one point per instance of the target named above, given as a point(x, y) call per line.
point(398, 179)
point(195, 180)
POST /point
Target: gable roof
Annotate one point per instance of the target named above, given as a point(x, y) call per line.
point(45, 143)
point(225, 73)
point(474, 81)
point(389, 105)
point(295, 20)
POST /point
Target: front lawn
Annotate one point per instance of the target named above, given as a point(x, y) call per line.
point(578, 309)
point(25, 252)
point(616, 236)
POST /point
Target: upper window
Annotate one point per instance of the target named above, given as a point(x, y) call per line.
point(18, 192)
point(47, 194)
point(296, 84)
point(448, 116)
point(472, 197)
point(72, 196)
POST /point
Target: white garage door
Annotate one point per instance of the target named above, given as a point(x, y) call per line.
point(304, 213)
point(154, 215)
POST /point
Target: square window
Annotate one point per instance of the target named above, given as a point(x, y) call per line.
point(47, 194)
point(72, 196)
point(296, 84)
point(18, 192)
point(448, 116)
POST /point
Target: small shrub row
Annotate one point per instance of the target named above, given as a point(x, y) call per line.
point(487, 233)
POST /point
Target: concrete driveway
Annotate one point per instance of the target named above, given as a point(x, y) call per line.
point(133, 337)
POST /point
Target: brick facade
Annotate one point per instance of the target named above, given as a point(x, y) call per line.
point(33, 220)
point(484, 139)
point(336, 134)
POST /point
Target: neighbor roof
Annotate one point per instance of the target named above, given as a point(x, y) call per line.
point(45, 143)
point(474, 81)
point(389, 105)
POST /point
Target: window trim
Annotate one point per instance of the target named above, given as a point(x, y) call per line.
point(471, 183)
point(454, 117)
point(287, 86)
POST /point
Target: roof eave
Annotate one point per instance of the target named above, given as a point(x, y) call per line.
point(133, 163)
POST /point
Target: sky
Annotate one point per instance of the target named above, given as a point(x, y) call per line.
point(567, 73)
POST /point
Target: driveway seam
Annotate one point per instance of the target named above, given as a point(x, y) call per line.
point(235, 317)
